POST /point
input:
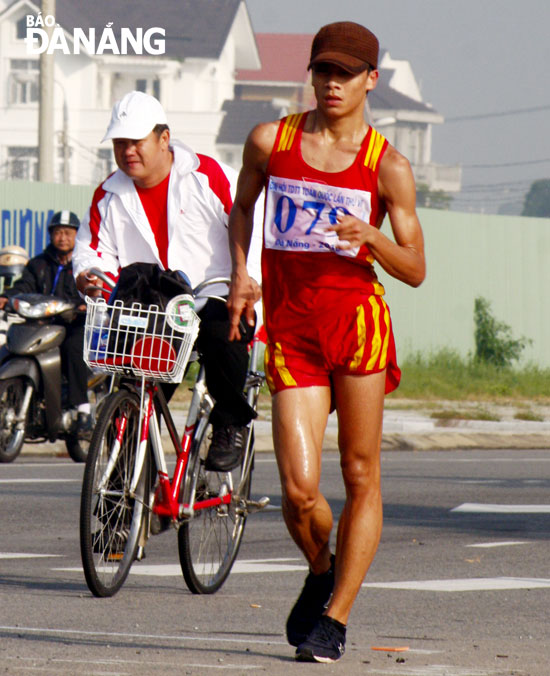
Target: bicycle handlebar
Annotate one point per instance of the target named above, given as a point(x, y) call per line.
point(99, 273)
point(210, 282)
point(197, 291)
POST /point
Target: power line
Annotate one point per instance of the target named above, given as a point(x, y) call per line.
point(506, 164)
point(501, 113)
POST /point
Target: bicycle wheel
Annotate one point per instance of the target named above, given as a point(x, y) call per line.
point(110, 518)
point(209, 542)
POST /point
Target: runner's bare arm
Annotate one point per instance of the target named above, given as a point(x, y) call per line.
point(243, 292)
point(403, 259)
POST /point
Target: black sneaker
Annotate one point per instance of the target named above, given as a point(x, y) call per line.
point(227, 448)
point(326, 643)
point(159, 524)
point(310, 605)
point(111, 543)
point(84, 425)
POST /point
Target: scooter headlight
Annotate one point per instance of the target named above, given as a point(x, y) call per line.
point(45, 308)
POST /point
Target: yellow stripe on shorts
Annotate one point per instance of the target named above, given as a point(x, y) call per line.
point(290, 126)
point(361, 338)
point(282, 370)
point(377, 338)
point(384, 356)
point(270, 381)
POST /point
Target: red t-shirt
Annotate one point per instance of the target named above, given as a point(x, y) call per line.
point(155, 203)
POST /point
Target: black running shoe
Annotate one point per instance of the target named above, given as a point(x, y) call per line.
point(84, 426)
point(227, 448)
point(310, 605)
point(110, 543)
point(326, 643)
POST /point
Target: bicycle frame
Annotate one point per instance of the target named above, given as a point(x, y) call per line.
point(167, 496)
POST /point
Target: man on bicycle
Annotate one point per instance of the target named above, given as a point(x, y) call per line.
point(330, 179)
point(51, 272)
point(170, 206)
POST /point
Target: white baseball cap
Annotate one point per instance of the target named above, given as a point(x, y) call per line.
point(135, 116)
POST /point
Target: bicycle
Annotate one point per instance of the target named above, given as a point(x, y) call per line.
point(145, 347)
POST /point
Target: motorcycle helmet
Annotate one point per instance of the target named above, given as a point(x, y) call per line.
point(13, 259)
point(66, 218)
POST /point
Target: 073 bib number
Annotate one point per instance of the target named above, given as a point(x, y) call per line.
point(298, 214)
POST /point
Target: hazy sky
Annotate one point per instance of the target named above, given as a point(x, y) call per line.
point(470, 57)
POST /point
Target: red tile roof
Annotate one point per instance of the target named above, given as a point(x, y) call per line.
point(284, 58)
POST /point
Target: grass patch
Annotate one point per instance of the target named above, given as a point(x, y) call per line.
point(530, 416)
point(474, 414)
point(447, 375)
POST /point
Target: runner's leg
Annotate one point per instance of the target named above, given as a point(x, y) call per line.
point(299, 421)
point(360, 404)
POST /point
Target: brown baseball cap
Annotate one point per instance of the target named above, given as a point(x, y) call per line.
point(347, 44)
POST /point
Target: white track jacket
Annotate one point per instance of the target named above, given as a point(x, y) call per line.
point(115, 232)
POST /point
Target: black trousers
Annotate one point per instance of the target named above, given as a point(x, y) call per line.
point(225, 364)
point(73, 366)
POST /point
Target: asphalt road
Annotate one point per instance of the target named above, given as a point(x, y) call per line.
point(461, 579)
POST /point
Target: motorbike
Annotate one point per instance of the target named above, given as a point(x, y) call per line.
point(32, 388)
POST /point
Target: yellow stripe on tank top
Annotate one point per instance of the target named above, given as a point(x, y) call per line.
point(289, 131)
point(384, 356)
point(372, 156)
point(282, 370)
point(361, 338)
point(377, 338)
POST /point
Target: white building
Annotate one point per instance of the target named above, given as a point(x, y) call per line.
point(205, 42)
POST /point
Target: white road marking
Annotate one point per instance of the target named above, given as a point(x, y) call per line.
point(432, 670)
point(240, 566)
point(465, 584)
point(127, 663)
point(15, 555)
point(489, 545)
point(202, 638)
point(39, 481)
point(19, 465)
point(481, 508)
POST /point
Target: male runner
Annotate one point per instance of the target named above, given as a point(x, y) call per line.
point(329, 179)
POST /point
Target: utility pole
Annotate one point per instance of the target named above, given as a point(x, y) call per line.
point(45, 111)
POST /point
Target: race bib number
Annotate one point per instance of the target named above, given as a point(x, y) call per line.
point(299, 212)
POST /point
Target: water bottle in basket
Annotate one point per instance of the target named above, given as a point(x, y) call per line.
point(100, 333)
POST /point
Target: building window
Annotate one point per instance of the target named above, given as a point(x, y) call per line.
point(156, 89)
point(151, 87)
point(23, 163)
point(23, 81)
point(21, 28)
point(104, 165)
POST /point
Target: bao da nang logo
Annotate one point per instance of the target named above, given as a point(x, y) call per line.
point(90, 41)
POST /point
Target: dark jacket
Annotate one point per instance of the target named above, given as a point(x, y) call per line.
point(39, 277)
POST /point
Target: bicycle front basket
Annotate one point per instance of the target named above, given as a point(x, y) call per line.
point(139, 340)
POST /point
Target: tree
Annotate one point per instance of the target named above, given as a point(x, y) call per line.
point(537, 200)
point(494, 342)
point(432, 199)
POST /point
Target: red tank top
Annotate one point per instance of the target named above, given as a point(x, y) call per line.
point(301, 202)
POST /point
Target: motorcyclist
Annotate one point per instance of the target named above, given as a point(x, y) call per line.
point(51, 272)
